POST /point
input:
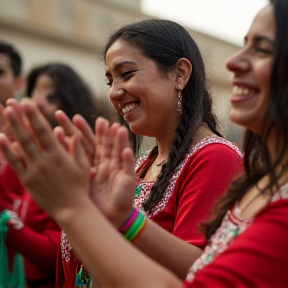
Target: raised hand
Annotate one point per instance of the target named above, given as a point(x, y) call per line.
point(57, 180)
point(112, 189)
point(78, 125)
point(114, 200)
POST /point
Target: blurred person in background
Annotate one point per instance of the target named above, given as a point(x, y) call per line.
point(57, 86)
point(11, 81)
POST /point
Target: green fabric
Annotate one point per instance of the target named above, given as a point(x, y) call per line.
point(17, 278)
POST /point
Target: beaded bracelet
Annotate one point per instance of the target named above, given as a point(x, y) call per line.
point(133, 226)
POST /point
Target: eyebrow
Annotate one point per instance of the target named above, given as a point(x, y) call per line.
point(258, 39)
point(119, 64)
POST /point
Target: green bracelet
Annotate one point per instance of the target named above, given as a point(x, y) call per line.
point(136, 228)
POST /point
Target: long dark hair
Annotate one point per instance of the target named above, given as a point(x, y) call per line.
point(14, 57)
point(72, 94)
point(257, 159)
point(166, 42)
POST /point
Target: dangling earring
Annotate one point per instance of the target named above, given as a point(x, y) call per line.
point(179, 102)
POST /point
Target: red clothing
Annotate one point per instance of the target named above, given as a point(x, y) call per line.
point(202, 181)
point(38, 240)
point(204, 176)
point(256, 258)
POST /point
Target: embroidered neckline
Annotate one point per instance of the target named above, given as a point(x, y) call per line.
point(147, 185)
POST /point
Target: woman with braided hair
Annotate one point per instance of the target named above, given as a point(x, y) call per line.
point(157, 83)
point(247, 234)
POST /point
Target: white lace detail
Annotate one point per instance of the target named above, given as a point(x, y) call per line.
point(231, 226)
point(146, 186)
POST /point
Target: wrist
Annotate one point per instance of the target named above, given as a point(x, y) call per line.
point(64, 216)
point(132, 228)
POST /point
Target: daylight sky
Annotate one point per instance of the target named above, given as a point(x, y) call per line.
point(225, 19)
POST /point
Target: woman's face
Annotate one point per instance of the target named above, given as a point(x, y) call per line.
point(144, 95)
point(42, 94)
point(251, 68)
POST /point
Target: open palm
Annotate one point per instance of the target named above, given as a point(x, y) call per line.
point(113, 186)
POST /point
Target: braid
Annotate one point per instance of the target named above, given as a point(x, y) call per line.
point(182, 142)
point(165, 42)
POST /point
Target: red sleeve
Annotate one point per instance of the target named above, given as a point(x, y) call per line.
point(256, 258)
point(37, 246)
point(10, 188)
point(204, 179)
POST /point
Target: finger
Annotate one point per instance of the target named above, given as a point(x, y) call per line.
point(85, 129)
point(11, 101)
point(127, 156)
point(40, 126)
point(65, 122)
point(121, 141)
point(88, 139)
point(78, 152)
point(99, 129)
point(60, 135)
point(108, 137)
point(21, 132)
point(16, 163)
point(128, 161)
point(17, 108)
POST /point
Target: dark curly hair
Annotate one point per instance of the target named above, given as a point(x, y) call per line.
point(14, 57)
point(72, 94)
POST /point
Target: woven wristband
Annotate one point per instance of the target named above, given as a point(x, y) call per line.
point(133, 226)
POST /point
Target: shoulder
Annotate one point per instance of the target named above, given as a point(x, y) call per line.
point(215, 151)
point(215, 145)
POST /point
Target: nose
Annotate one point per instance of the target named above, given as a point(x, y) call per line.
point(115, 93)
point(238, 62)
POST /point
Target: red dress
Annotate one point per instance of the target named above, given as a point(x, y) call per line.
point(258, 257)
point(197, 183)
point(38, 240)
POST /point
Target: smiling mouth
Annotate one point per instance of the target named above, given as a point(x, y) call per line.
point(241, 91)
point(129, 107)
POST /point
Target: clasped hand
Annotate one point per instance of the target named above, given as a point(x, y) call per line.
point(62, 171)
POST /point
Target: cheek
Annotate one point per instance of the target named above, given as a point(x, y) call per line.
point(264, 75)
point(5, 82)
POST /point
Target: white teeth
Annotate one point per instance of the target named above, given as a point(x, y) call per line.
point(242, 91)
point(128, 108)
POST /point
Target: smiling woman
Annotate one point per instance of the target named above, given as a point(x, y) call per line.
point(252, 67)
point(248, 228)
point(157, 82)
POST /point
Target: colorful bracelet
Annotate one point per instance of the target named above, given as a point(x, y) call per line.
point(133, 226)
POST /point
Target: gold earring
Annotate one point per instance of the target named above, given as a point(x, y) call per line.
point(179, 102)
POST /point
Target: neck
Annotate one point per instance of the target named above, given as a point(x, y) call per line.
point(274, 149)
point(165, 144)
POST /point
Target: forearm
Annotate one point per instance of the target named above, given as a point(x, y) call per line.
point(168, 250)
point(108, 257)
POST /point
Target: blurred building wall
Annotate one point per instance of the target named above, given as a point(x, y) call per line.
point(74, 32)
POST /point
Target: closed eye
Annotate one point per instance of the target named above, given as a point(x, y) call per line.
point(264, 51)
point(126, 74)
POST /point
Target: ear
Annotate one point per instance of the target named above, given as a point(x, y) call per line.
point(183, 70)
